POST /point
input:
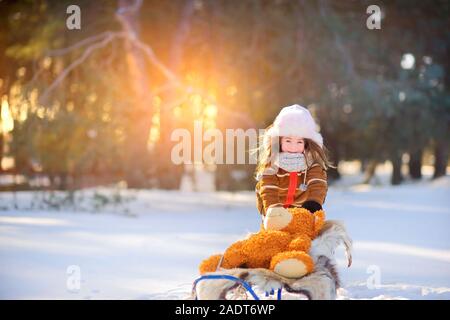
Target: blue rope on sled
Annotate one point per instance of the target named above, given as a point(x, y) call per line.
point(245, 284)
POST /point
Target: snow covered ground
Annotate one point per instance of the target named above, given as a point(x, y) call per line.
point(150, 247)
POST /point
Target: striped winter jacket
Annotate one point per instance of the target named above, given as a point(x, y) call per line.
point(271, 189)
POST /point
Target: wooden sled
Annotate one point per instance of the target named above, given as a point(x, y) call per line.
point(246, 283)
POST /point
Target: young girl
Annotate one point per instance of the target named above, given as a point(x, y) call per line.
point(292, 166)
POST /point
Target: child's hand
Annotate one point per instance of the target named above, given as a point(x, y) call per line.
point(312, 206)
point(277, 218)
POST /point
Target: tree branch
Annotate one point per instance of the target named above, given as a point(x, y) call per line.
point(77, 62)
point(62, 51)
point(155, 61)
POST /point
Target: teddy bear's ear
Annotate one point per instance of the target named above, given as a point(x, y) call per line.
point(319, 220)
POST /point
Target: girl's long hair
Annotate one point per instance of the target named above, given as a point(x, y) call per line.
point(313, 153)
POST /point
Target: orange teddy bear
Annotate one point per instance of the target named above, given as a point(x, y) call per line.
point(281, 245)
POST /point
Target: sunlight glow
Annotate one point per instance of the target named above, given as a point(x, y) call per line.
point(231, 90)
point(7, 122)
point(210, 111)
point(153, 135)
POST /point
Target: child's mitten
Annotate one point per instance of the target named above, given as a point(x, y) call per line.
point(311, 206)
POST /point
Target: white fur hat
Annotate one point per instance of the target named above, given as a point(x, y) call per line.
point(295, 121)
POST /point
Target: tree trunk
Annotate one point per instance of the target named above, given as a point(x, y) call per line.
point(370, 169)
point(2, 142)
point(333, 174)
point(222, 178)
point(441, 153)
point(137, 155)
point(169, 174)
point(364, 163)
point(415, 164)
point(396, 177)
